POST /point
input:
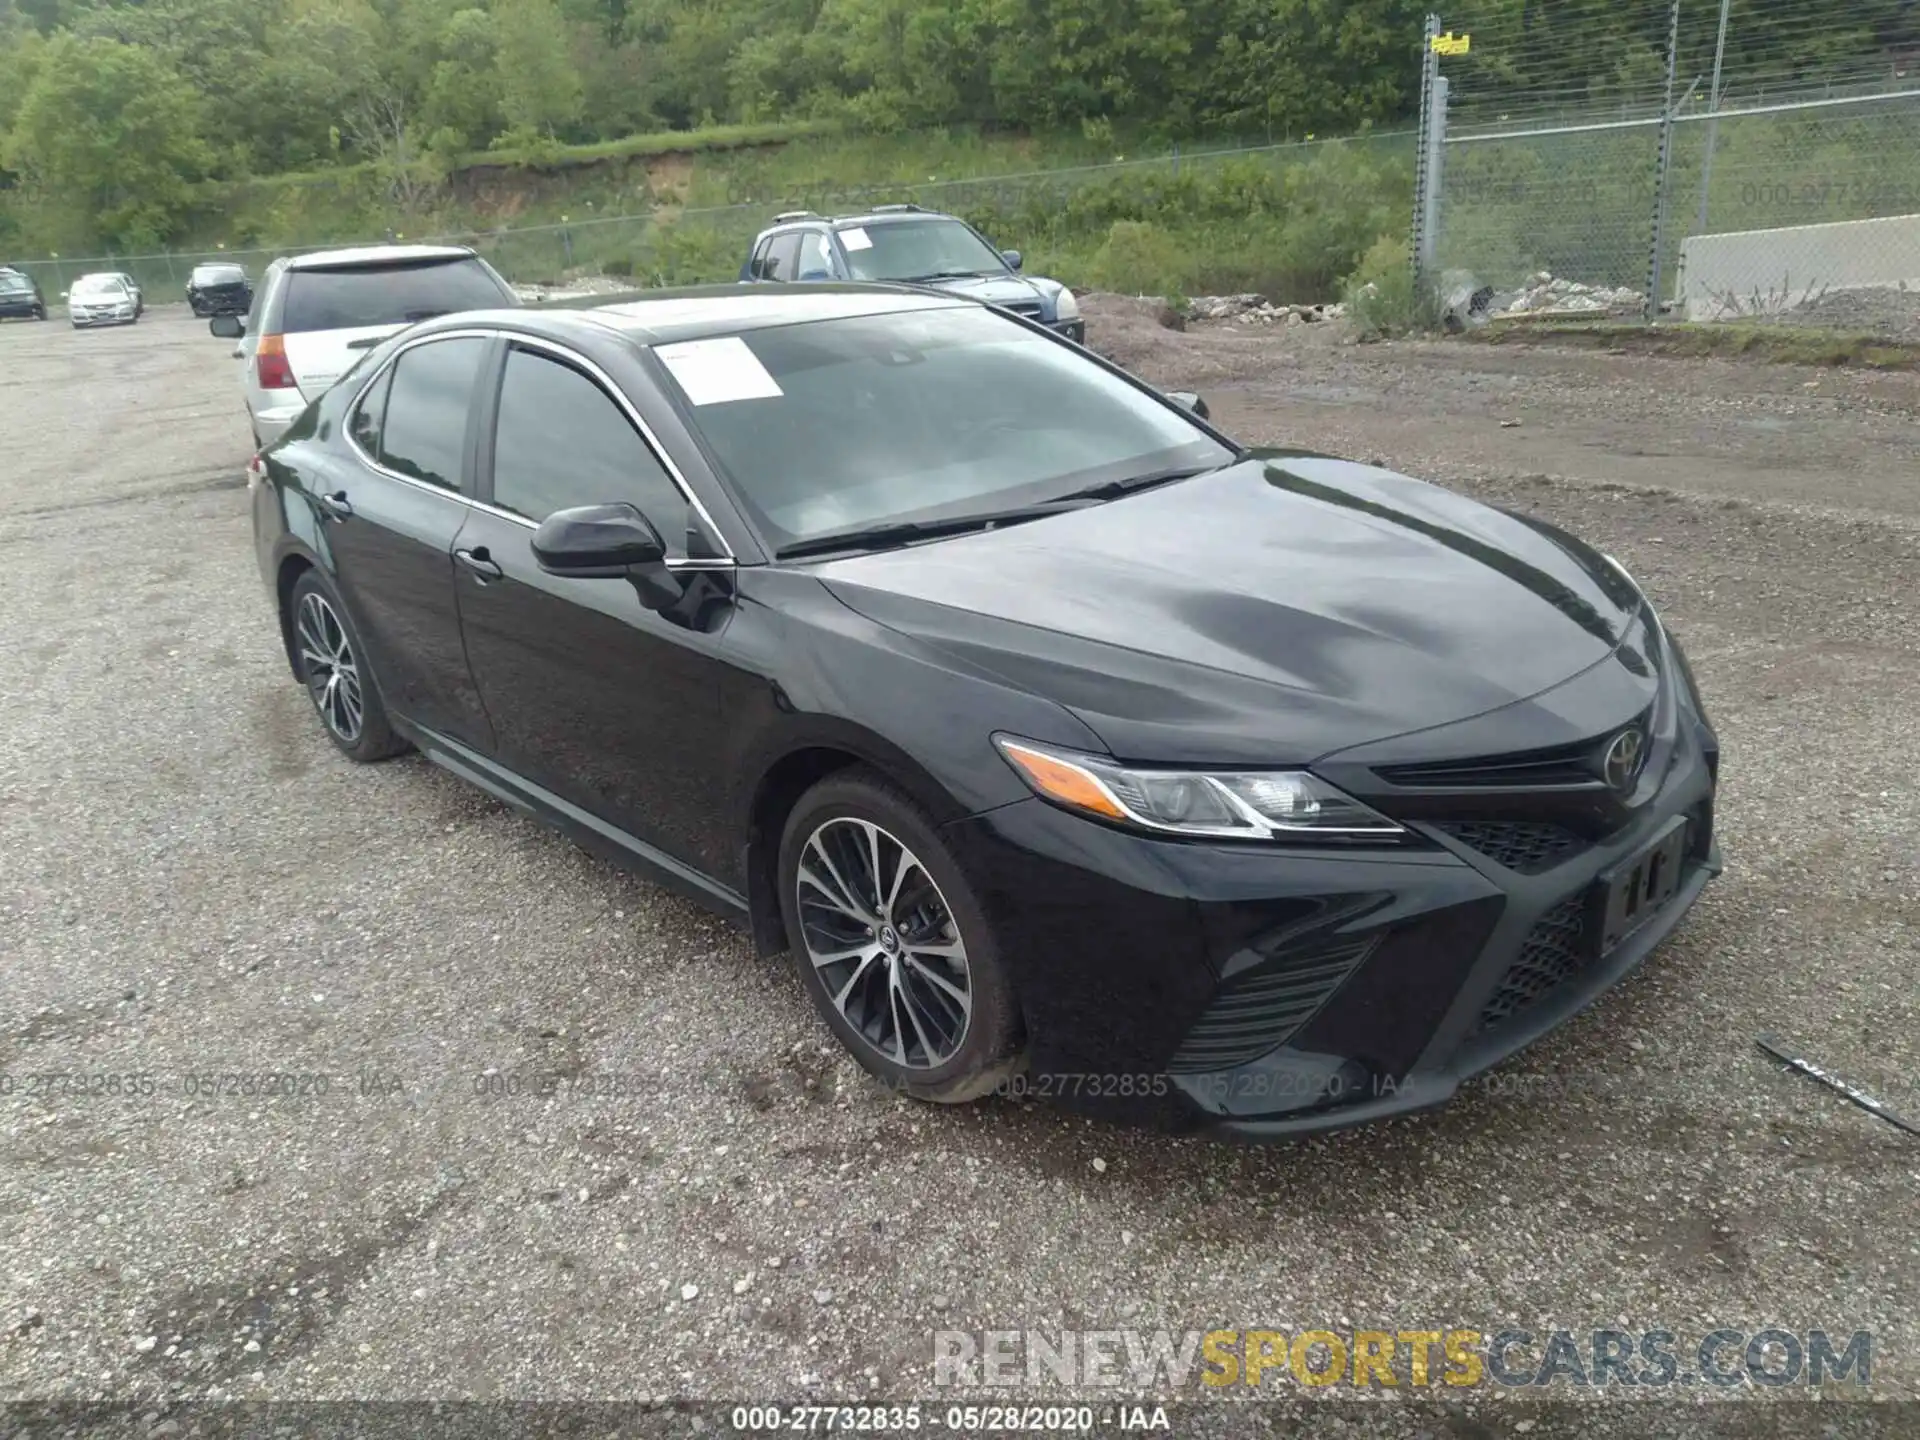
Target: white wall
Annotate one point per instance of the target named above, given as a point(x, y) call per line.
point(1719, 274)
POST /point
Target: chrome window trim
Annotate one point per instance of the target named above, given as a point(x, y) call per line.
point(605, 381)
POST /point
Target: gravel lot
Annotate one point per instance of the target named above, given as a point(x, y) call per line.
point(196, 883)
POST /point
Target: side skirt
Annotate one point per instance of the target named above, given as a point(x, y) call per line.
point(579, 825)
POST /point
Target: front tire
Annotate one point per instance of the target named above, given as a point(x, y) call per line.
point(331, 663)
point(892, 943)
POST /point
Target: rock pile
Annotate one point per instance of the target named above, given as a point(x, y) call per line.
point(1544, 291)
point(1258, 310)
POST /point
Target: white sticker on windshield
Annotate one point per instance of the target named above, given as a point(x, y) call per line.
point(856, 239)
point(713, 372)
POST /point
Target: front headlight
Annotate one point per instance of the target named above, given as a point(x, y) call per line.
point(1065, 307)
point(1225, 804)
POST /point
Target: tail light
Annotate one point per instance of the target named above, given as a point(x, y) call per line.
point(270, 364)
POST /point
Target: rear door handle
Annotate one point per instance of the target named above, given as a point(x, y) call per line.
point(336, 505)
point(480, 563)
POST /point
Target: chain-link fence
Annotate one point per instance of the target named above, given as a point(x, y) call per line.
point(1710, 197)
point(671, 244)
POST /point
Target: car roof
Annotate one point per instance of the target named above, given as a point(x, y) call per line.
point(863, 219)
point(663, 317)
point(363, 256)
point(888, 217)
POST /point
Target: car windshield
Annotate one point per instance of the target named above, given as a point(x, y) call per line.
point(361, 297)
point(917, 250)
point(98, 285)
point(926, 415)
point(14, 283)
point(218, 274)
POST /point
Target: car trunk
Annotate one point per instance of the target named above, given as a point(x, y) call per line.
point(334, 314)
point(320, 357)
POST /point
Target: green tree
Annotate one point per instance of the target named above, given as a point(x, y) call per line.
point(539, 87)
point(107, 131)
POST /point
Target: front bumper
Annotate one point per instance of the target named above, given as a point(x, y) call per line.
point(82, 321)
point(1263, 993)
point(1074, 330)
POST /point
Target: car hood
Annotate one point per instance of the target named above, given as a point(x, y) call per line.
point(1001, 289)
point(1272, 612)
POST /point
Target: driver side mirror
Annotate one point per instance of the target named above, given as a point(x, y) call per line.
point(227, 327)
point(1187, 400)
point(1012, 257)
point(597, 542)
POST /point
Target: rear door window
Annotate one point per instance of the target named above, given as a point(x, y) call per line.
point(423, 434)
point(782, 259)
point(364, 424)
point(363, 297)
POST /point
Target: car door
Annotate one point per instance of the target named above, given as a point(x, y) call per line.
point(594, 695)
point(391, 526)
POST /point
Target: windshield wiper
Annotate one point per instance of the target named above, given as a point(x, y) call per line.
point(950, 275)
point(1114, 489)
point(900, 532)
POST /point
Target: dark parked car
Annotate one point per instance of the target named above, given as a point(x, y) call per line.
point(20, 297)
point(219, 289)
point(903, 244)
point(1067, 744)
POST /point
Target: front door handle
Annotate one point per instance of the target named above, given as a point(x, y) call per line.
point(336, 505)
point(480, 563)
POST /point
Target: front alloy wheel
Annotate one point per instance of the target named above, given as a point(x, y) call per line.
point(892, 942)
point(883, 941)
point(332, 674)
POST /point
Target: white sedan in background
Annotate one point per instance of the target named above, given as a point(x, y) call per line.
point(102, 300)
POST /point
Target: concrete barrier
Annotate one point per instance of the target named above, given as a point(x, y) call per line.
point(1765, 271)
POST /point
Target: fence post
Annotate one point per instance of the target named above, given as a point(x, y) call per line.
point(1713, 120)
point(1423, 191)
point(1665, 163)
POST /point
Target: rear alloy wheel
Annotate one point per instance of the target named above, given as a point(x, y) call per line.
point(892, 945)
point(331, 663)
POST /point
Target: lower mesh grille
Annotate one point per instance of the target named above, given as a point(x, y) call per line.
point(1552, 955)
point(1260, 1011)
point(1521, 846)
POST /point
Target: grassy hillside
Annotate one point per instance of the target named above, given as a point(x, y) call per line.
point(1289, 219)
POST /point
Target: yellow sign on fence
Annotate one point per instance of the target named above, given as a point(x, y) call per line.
point(1452, 44)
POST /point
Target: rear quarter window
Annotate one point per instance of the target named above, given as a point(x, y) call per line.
point(361, 298)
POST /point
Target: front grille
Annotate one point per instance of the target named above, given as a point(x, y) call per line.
point(1521, 846)
point(1260, 1011)
point(1554, 953)
point(1028, 308)
point(1561, 766)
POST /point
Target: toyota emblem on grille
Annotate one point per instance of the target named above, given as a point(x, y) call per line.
point(1622, 763)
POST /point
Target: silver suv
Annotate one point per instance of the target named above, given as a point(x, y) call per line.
point(314, 315)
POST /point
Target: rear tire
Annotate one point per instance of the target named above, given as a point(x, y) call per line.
point(331, 663)
point(892, 943)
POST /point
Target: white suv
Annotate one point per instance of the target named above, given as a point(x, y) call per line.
point(314, 315)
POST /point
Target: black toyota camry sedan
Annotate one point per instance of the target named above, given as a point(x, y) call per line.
point(1071, 748)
